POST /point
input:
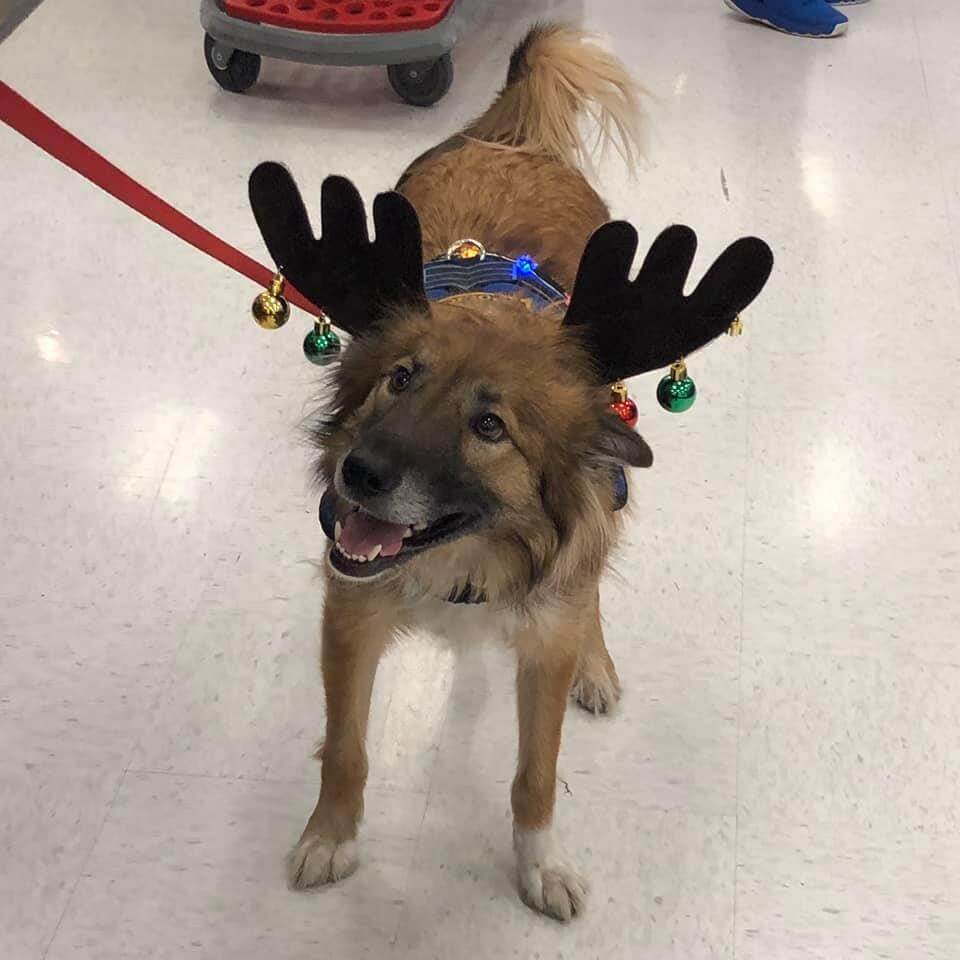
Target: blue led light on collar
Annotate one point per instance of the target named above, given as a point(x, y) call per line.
point(524, 266)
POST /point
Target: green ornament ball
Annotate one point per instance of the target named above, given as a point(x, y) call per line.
point(676, 394)
point(321, 346)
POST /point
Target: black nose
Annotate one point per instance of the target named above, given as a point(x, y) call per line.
point(370, 474)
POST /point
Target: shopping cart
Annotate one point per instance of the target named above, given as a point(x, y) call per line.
point(412, 38)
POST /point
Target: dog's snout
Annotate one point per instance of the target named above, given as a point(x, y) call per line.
point(370, 474)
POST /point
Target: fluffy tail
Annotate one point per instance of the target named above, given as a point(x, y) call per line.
point(557, 73)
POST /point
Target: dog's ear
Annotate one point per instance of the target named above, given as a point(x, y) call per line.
point(619, 444)
point(356, 281)
point(632, 326)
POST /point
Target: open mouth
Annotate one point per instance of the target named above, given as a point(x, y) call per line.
point(365, 546)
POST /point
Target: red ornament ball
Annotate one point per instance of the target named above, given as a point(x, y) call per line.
point(626, 410)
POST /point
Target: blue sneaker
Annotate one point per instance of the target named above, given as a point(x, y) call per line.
point(802, 18)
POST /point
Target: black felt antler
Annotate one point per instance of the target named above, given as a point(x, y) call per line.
point(637, 325)
point(353, 279)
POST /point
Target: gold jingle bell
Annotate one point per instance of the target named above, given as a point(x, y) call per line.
point(465, 251)
point(270, 310)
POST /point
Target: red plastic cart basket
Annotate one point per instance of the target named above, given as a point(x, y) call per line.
point(412, 38)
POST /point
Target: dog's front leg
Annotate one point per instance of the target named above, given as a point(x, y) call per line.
point(353, 641)
point(547, 882)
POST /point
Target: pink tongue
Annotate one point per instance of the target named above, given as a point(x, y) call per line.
point(362, 532)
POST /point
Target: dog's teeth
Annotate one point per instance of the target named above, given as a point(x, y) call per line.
point(418, 527)
point(408, 533)
point(374, 553)
point(337, 530)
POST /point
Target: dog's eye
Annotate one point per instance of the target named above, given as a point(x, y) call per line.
point(490, 427)
point(400, 380)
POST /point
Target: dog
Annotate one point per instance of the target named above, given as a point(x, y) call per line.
point(471, 465)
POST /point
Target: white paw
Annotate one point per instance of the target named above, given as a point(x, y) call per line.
point(547, 883)
point(316, 860)
point(596, 688)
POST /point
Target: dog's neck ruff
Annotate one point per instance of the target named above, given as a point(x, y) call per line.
point(468, 269)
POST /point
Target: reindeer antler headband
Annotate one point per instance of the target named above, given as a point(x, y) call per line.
point(629, 326)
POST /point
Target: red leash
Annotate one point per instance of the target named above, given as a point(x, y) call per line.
point(27, 120)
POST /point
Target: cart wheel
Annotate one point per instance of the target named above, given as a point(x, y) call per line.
point(238, 73)
point(422, 84)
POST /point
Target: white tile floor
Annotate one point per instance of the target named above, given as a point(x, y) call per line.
point(782, 779)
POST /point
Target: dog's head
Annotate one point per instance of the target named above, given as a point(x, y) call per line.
point(473, 441)
point(470, 443)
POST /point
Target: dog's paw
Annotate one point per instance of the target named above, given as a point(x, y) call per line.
point(316, 860)
point(556, 890)
point(547, 883)
point(596, 686)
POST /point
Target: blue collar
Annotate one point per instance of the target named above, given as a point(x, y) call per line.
point(468, 268)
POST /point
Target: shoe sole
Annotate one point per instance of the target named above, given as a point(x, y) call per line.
point(839, 29)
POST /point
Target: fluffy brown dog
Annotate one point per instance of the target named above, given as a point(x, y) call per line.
point(470, 458)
